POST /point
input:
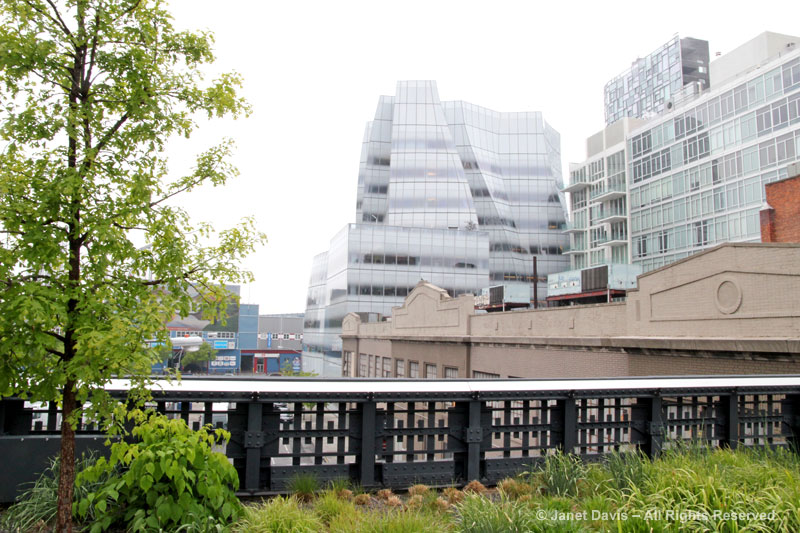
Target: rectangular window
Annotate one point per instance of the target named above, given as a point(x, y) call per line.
point(362, 365)
point(450, 372)
point(477, 374)
point(413, 369)
point(399, 368)
point(387, 367)
point(430, 371)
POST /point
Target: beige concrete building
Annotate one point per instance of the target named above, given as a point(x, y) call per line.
point(733, 309)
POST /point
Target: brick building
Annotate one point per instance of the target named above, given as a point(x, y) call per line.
point(730, 310)
point(780, 220)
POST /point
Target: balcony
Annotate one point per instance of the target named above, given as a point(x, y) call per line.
point(577, 185)
point(577, 249)
point(611, 216)
point(610, 192)
point(569, 227)
point(612, 239)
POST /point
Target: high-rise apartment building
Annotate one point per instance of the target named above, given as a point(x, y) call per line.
point(697, 173)
point(449, 192)
point(598, 226)
point(677, 69)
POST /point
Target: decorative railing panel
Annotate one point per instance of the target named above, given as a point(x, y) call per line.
point(394, 433)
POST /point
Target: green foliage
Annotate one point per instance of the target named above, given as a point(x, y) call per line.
point(170, 476)
point(478, 514)
point(278, 515)
point(304, 486)
point(391, 522)
point(329, 507)
point(288, 370)
point(561, 474)
point(203, 354)
point(628, 469)
point(95, 257)
point(37, 504)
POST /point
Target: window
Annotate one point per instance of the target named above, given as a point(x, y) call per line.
point(413, 369)
point(399, 368)
point(346, 363)
point(477, 374)
point(362, 365)
point(450, 372)
point(387, 367)
point(430, 371)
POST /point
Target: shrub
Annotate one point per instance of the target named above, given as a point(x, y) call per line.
point(384, 494)
point(362, 499)
point(514, 488)
point(415, 502)
point(304, 486)
point(475, 487)
point(37, 505)
point(278, 515)
point(453, 495)
point(344, 494)
point(394, 501)
point(167, 477)
point(418, 490)
point(441, 504)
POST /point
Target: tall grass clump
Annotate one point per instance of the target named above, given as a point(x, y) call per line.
point(478, 514)
point(762, 488)
point(628, 470)
point(304, 486)
point(37, 505)
point(278, 515)
point(330, 506)
point(561, 474)
point(400, 522)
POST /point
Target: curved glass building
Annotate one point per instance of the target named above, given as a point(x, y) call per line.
point(458, 195)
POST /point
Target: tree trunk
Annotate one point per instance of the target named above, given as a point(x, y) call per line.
point(66, 478)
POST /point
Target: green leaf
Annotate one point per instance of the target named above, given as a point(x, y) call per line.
point(145, 482)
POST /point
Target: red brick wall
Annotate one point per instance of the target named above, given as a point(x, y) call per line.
point(782, 222)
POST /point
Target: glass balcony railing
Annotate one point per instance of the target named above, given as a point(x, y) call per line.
point(611, 237)
point(605, 214)
point(571, 227)
point(611, 189)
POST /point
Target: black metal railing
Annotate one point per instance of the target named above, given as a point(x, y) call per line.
point(393, 433)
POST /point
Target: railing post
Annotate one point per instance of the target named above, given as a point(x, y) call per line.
point(474, 438)
point(728, 420)
point(648, 422)
point(253, 441)
point(790, 409)
point(367, 457)
point(568, 412)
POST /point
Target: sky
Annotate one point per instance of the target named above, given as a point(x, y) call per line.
point(313, 72)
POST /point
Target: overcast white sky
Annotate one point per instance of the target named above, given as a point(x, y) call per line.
point(314, 70)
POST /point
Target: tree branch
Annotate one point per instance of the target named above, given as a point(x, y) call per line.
point(55, 335)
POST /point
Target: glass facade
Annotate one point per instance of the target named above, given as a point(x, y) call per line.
point(697, 175)
point(653, 81)
point(458, 195)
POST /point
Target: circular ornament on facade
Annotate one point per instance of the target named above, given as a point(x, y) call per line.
point(728, 297)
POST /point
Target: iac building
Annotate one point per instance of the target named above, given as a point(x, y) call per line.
point(451, 193)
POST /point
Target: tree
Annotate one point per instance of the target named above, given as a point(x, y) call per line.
point(91, 92)
point(287, 369)
point(203, 354)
